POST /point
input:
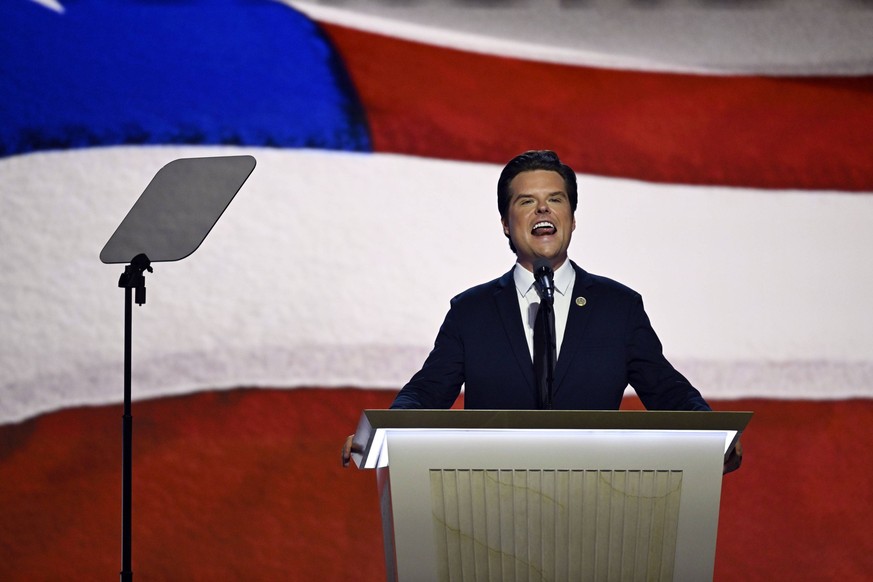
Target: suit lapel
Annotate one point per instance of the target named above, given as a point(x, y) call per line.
point(577, 320)
point(506, 298)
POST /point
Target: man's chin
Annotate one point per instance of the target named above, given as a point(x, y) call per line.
point(555, 258)
point(548, 251)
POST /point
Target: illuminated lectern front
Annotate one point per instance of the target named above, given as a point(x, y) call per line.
point(509, 495)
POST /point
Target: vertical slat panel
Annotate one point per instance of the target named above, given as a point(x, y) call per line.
point(437, 500)
point(562, 525)
point(465, 526)
point(630, 529)
point(644, 522)
point(577, 516)
point(659, 517)
point(479, 512)
point(590, 483)
point(617, 502)
point(507, 527)
point(493, 513)
point(533, 510)
point(517, 525)
point(519, 545)
point(548, 511)
point(453, 526)
point(671, 525)
point(602, 532)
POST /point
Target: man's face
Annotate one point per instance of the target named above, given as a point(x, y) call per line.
point(539, 219)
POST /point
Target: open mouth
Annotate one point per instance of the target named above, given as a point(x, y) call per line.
point(543, 228)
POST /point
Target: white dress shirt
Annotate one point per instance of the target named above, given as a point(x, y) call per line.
point(529, 301)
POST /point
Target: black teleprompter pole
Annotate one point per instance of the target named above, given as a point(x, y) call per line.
point(133, 282)
point(168, 222)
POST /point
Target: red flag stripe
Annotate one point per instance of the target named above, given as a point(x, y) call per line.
point(247, 485)
point(762, 132)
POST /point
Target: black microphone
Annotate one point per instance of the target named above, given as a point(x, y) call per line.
point(544, 279)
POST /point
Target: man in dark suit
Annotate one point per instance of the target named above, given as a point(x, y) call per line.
point(603, 340)
point(606, 342)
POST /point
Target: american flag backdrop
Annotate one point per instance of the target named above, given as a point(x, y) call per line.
point(725, 172)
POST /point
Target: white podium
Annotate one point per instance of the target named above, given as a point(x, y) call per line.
point(506, 495)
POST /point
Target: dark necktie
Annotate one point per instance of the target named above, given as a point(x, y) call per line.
point(544, 353)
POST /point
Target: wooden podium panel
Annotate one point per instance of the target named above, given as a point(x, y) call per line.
point(538, 503)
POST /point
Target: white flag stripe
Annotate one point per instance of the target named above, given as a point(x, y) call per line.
point(334, 269)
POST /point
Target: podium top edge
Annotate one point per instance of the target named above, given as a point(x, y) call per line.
point(557, 419)
point(373, 421)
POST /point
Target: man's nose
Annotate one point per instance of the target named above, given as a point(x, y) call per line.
point(543, 206)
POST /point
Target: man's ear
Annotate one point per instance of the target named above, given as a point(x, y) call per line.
point(506, 226)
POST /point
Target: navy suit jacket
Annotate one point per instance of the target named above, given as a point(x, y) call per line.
point(608, 343)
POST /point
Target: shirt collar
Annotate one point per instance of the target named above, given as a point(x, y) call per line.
point(564, 278)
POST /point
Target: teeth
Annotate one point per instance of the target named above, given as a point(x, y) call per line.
point(543, 225)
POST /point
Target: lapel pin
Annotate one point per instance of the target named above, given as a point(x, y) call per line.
point(581, 301)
